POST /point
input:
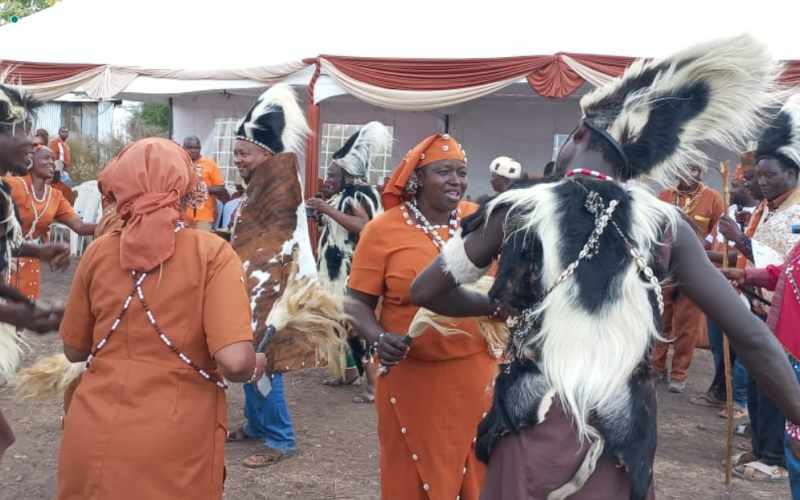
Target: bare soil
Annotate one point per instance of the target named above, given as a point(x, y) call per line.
point(337, 452)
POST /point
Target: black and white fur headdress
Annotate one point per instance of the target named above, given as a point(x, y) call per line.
point(275, 122)
point(359, 150)
point(658, 113)
point(781, 140)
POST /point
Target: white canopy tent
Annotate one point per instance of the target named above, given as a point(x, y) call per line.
point(212, 58)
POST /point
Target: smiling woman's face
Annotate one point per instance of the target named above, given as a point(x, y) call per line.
point(43, 164)
point(443, 183)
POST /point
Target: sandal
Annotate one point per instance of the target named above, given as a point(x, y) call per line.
point(741, 459)
point(738, 412)
point(707, 399)
point(240, 435)
point(365, 397)
point(761, 473)
point(269, 457)
point(337, 382)
point(744, 430)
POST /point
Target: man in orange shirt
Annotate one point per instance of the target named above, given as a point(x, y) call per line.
point(60, 147)
point(205, 214)
point(683, 321)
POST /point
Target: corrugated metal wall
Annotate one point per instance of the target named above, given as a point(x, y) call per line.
point(90, 118)
point(49, 118)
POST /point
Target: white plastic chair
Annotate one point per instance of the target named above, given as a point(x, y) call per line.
point(88, 206)
point(228, 210)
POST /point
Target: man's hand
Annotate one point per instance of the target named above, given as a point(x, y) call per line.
point(392, 349)
point(735, 275)
point(318, 205)
point(56, 254)
point(39, 320)
point(743, 217)
point(730, 229)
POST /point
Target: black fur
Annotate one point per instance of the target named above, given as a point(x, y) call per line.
point(629, 432)
point(777, 135)
point(347, 146)
point(19, 98)
point(268, 128)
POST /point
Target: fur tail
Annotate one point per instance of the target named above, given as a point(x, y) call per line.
point(496, 334)
point(47, 378)
point(586, 469)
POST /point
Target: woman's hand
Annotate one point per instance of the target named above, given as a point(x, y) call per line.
point(261, 367)
point(735, 275)
point(318, 205)
point(392, 349)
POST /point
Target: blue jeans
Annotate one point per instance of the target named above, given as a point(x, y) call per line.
point(715, 341)
point(792, 463)
point(269, 417)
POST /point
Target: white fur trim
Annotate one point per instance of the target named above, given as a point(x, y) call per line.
point(506, 167)
point(455, 262)
point(295, 130)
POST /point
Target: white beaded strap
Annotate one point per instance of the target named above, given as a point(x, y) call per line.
point(457, 263)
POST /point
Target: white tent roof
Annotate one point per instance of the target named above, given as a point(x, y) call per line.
point(192, 34)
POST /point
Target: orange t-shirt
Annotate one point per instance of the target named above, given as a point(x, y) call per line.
point(704, 210)
point(61, 151)
point(430, 404)
point(212, 177)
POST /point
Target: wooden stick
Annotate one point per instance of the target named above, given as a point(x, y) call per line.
point(725, 171)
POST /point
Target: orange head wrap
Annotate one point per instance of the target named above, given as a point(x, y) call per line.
point(738, 174)
point(103, 179)
point(434, 148)
point(148, 180)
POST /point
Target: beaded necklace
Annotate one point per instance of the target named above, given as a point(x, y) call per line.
point(138, 279)
point(590, 173)
point(690, 205)
point(428, 228)
point(48, 192)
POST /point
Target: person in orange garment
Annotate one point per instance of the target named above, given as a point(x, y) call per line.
point(683, 321)
point(39, 205)
point(430, 403)
point(162, 315)
point(206, 214)
point(60, 185)
point(60, 147)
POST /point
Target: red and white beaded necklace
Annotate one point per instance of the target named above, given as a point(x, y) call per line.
point(590, 173)
point(138, 279)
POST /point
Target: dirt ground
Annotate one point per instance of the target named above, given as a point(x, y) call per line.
point(337, 452)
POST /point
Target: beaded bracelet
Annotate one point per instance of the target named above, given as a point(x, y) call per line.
point(744, 246)
point(793, 430)
point(498, 310)
point(255, 370)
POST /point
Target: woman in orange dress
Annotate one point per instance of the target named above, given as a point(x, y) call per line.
point(429, 404)
point(39, 205)
point(163, 316)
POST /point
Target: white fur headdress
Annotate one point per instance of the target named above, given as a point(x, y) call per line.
point(781, 140)
point(506, 167)
point(660, 112)
point(359, 150)
point(275, 122)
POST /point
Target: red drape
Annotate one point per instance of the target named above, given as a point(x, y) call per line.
point(312, 152)
point(791, 75)
point(608, 65)
point(32, 73)
point(548, 75)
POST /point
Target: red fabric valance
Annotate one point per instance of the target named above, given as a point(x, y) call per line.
point(555, 79)
point(435, 74)
point(31, 73)
point(791, 75)
point(608, 65)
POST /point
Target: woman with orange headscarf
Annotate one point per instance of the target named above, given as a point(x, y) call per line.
point(430, 404)
point(39, 205)
point(162, 315)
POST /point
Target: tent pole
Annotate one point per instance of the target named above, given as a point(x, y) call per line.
point(171, 119)
point(447, 124)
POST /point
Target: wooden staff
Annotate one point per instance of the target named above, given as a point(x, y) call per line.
point(725, 171)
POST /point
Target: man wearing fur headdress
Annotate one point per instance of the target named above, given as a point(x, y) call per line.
point(16, 144)
point(575, 398)
point(354, 202)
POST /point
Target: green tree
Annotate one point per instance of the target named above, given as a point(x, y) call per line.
point(21, 8)
point(149, 120)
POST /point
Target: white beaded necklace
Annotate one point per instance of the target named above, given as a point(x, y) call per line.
point(48, 193)
point(428, 228)
point(789, 272)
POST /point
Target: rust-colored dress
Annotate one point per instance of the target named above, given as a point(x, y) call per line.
point(430, 404)
point(143, 424)
point(25, 272)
